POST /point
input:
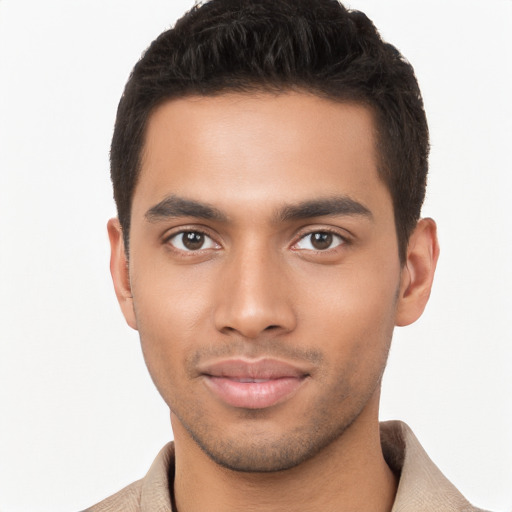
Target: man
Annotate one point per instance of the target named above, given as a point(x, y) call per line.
point(269, 165)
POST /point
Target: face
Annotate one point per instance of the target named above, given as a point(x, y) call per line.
point(264, 273)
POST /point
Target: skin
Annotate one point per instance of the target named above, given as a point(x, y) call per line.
point(257, 285)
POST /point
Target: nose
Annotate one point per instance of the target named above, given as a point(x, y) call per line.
point(255, 296)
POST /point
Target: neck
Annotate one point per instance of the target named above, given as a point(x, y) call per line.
point(348, 475)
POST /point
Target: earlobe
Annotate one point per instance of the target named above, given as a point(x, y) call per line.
point(417, 272)
point(120, 271)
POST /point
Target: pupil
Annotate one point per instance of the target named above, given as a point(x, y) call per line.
point(193, 241)
point(321, 240)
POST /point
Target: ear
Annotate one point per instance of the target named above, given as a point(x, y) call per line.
point(417, 272)
point(120, 271)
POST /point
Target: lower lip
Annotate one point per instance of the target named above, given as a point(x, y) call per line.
point(254, 395)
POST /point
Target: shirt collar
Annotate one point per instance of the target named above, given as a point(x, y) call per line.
point(422, 487)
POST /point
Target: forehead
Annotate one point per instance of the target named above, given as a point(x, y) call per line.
point(258, 148)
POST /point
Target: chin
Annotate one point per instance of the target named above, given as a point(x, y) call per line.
point(262, 452)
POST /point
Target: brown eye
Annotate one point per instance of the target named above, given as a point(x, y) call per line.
point(319, 241)
point(192, 241)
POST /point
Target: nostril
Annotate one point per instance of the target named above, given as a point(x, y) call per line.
point(271, 328)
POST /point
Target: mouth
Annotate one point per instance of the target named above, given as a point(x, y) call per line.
point(253, 384)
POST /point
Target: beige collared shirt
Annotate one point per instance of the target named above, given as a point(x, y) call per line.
point(422, 486)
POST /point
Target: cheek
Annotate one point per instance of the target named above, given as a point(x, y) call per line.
point(172, 309)
point(362, 293)
point(171, 298)
point(352, 311)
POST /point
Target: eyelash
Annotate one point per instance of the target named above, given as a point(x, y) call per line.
point(344, 240)
point(167, 240)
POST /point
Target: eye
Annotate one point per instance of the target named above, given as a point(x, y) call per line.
point(319, 241)
point(192, 241)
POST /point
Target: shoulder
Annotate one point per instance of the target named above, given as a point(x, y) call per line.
point(422, 486)
point(127, 499)
point(153, 492)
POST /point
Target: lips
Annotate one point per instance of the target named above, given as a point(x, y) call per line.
point(253, 384)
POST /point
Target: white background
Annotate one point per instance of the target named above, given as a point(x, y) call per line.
point(79, 417)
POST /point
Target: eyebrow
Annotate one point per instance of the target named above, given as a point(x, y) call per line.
point(173, 206)
point(337, 205)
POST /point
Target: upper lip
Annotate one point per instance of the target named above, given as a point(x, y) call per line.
point(261, 369)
